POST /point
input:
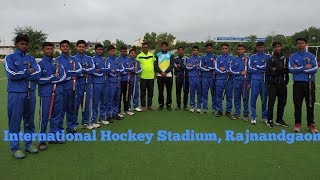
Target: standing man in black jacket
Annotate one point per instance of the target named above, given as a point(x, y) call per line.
point(277, 79)
point(182, 80)
point(163, 66)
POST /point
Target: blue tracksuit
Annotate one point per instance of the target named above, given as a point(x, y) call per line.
point(73, 70)
point(134, 79)
point(300, 60)
point(45, 89)
point(114, 75)
point(208, 79)
point(257, 68)
point(125, 76)
point(81, 85)
point(19, 104)
point(240, 84)
point(224, 82)
point(194, 80)
point(99, 98)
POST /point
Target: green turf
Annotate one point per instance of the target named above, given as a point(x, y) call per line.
point(167, 160)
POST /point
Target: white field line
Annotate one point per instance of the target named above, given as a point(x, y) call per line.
point(3, 78)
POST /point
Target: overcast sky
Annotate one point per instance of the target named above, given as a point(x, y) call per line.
point(190, 20)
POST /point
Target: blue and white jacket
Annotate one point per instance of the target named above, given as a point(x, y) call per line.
point(258, 65)
point(101, 70)
point(224, 60)
point(115, 69)
point(238, 65)
point(135, 72)
point(194, 71)
point(297, 63)
point(18, 72)
point(207, 65)
point(48, 77)
point(85, 60)
point(128, 67)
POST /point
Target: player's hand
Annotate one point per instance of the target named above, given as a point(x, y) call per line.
point(74, 78)
point(163, 74)
point(85, 75)
point(244, 73)
point(274, 68)
point(308, 66)
point(222, 69)
point(205, 66)
point(113, 70)
point(178, 65)
point(97, 70)
point(31, 70)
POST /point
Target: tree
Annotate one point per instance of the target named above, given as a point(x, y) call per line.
point(151, 39)
point(106, 43)
point(36, 38)
point(120, 43)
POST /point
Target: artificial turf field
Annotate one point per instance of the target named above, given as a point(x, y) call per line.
point(168, 160)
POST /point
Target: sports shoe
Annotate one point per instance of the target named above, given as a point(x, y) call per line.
point(246, 118)
point(129, 113)
point(18, 154)
point(253, 121)
point(87, 126)
point(235, 117)
point(297, 127)
point(117, 117)
point(312, 128)
point(178, 108)
point(228, 114)
point(120, 115)
point(160, 108)
point(31, 149)
point(281, 123)
point(95, 125)
point(198, 110)
point(264, 120)
point(144, 109)
point(270, 124)
point(185, 108)
point(192, 109)
point(137, 109)
point(204, 111)
point(150, 108)
point(42, 146)
point(105, 122)
point(219, 113)
point(110, 120)
point(169, 108)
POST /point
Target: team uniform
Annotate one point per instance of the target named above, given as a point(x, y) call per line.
point(73, 70)
point(241, 84)
point(257, 68)
point(84, 85)
point(182, 80)
point(194, 82)
point(48, 84)
point(114, 88)
point(224, 83)
point(207, 69)
point(99, 98)
point(125, 83)
point(21, 96)
point(164, 63)
point(134, 85)
point(304, 86)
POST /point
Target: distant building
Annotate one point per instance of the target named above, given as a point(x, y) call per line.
point(5, 50)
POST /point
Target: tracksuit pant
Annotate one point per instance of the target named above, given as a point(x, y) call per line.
point(195, 88)
point(168, 82)
point(69, 109)
point(182, 84)
point(123, 96)
point(241, 94)
point(80, 94)
point(300, 92)
point(134, 93)
point(221, 86)
point(208, 83)
point(19, 107)
point(99, 102)
point(277, 91)
point(258, 87)
point(113, 99)
point(146, 85)
point(56, 117)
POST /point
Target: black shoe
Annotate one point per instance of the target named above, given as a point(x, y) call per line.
point(185, 108)
point(282, 123)
point(270, 124)
point(110, 120)
point(228, 114)
point(219, 114)
point(178, 108)
point(169, 108)
point(116, 117)
point(160, 108)
point(42, 146)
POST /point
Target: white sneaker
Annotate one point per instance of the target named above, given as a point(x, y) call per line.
point(264, 120)
point(138, 109)
point(87, 126)
point(105, 122)
point(192, 109)
point(95, 125)
point(120, 115)
point(129, 113)
point(129, 109)
point(253, 121)
point(198, 110)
